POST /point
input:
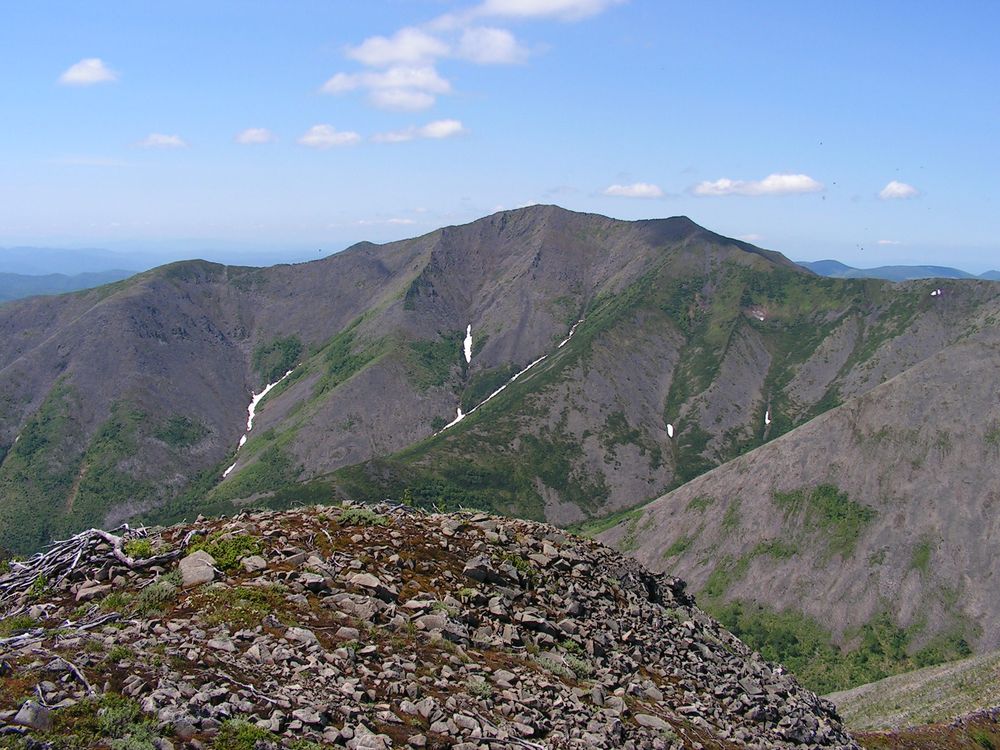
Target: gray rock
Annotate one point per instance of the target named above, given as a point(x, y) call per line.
point(196, 569)
point(34, 716)
point(253, 563)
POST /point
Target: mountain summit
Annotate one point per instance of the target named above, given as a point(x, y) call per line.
point(596, 364)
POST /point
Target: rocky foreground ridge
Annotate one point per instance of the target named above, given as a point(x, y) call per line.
point(375, 627)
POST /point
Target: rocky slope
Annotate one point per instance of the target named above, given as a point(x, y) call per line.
point(879, 511)
point(687, 350)
point(375, 628)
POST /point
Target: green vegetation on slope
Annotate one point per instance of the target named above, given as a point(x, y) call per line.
point(181, 432)
point(881, 648)
point(274, 359)
point(433, 361)
point(38, 471)
point(828, 509)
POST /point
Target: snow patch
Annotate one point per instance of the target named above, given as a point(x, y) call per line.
point(570, 335)
point(251, 413)
point(252, 409)
point(468, 344)
point(670, 431)
point(937, 293)
point(455, 421)
point(502, 388)
point(767, 417)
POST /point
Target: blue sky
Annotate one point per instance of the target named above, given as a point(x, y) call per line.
point(861, 131)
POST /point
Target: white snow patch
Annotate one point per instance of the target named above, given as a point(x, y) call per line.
point(670, 431)
point(767, 417)
point(468, 344)
point(251, 413)
point(455, 421)
point(570, 335)
point(16, 439)
point(502, 388)
point(759, 317)
point(936, 293)
point(252, 409)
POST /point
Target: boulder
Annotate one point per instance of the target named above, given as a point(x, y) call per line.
point(196, 569)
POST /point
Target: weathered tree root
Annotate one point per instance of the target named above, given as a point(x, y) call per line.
point(63, 557)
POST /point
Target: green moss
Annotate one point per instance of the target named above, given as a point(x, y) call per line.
point(273, 359)
point(17, 624)
point(242, 606)
point(827, 509)
point(228, 550)
point(95, 721)
point(138, 548)
point(148, 602)
point(240, 734)
point(357, 516)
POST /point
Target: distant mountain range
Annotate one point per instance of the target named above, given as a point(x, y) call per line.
point(837, 270)
point(17, 285)
point(44, 261)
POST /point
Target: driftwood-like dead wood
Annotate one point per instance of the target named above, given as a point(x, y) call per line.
point(65, 556)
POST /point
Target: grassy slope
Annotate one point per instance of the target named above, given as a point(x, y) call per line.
point(930, 695)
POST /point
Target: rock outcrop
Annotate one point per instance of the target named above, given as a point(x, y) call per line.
point(381, 627)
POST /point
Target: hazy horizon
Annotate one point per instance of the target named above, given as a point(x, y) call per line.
point(819, 132)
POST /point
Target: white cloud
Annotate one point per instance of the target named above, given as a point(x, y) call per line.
point(566, 10)
point(87, 72)
point(327, 136)
point(435, 130)
point(403, 100)
point(752, 237)
point(889, 242)
point(160, 140)
point(402, 87)
point(896, 189)
point(489, 46)
point(252, 136)
point(635, 190)
point(773, 184)
point(441, 129)
point(407, 45)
